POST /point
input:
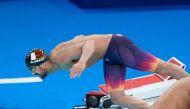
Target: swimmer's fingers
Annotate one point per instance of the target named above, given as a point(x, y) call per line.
point(74, 73)
point(79, 74)
point(77, 69)
point(80, 71)
point(71, 75)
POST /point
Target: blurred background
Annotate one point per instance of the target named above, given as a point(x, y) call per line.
point(160, 27)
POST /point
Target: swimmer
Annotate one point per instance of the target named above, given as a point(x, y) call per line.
point(118, 53)
point(176, 97)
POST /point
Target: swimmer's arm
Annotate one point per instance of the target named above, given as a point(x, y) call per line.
point(87, 51)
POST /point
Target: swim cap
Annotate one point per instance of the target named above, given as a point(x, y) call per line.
point(36, 57)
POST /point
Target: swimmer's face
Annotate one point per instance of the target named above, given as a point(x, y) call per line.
point(41, 70)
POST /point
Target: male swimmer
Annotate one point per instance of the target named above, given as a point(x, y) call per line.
point(117, 51)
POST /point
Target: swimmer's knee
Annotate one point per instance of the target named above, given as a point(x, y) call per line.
point(168, 69)
point(162, 68)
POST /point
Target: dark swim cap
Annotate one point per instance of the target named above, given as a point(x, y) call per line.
point(36, 57)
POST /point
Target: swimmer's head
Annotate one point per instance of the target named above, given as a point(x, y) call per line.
point(37, 61)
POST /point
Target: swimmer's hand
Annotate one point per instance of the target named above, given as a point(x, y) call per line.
point(77, 69)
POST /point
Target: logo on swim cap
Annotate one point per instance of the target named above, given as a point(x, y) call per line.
point(36, 57)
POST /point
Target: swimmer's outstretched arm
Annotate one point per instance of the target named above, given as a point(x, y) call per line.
point(87, 51)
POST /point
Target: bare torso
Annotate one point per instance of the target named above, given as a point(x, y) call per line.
point(101, 43)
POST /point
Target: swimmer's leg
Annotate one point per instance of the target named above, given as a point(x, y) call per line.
point(115, 80)
point(119, 97)
point(136, 58)
point(177, 97)
point(171, 70)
